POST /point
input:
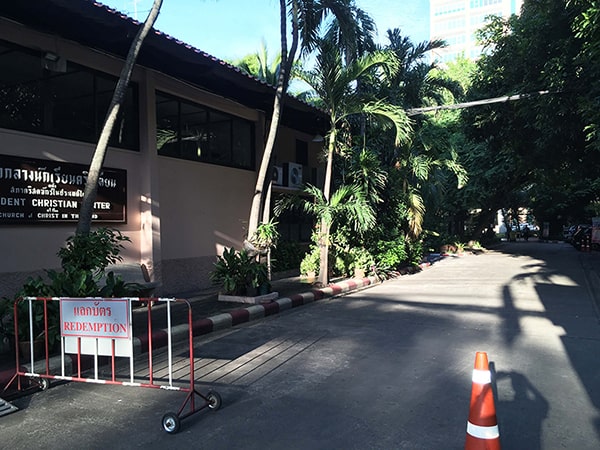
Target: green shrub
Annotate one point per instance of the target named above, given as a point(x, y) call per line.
point(83, 260)
point(361, 259)
point(311, 261)
point(93, 251)
point(391, 255)
point(414, 250)
point(286, 256)
point(238, 273)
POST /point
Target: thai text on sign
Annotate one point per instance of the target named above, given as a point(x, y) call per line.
point(96, 318)
point(39, 191)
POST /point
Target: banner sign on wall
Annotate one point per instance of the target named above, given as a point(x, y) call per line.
point(36, 190)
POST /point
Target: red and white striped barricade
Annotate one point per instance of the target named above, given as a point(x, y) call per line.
point(96, 343)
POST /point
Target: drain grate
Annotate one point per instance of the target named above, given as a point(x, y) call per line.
point(6, 407)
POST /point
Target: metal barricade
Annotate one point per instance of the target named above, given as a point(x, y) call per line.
point(102, 329)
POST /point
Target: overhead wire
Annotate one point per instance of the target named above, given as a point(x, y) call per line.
point(487, 101)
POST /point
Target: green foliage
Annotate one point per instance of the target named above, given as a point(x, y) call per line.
point(361, 259)
point(391, 255)
point(414, 250)
point(84, 259)
point(311, 261)
point(537, 145)
point(238, 273)
point(266, 235)
point(259, 66)
point(286, 256)
point(348, 202)
point(93, 251)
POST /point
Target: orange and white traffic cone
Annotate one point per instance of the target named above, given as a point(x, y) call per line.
point(482, 427)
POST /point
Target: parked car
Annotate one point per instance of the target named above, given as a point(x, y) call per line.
point(582, 232)
point(569, 233)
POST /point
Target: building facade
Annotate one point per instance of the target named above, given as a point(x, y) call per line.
point(456, 21)
point(182, 163)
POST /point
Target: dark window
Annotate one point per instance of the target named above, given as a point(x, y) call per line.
point(70, 101)
point(294, 225)
point(190, 131)
point(302, 152)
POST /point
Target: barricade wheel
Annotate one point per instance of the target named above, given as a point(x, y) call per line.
point(214, 400)
point(44, 383)
point(171, 422)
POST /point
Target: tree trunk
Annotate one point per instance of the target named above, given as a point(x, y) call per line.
point(324, 253)
point(287, 60)
point(91, 187)
point(324, 231)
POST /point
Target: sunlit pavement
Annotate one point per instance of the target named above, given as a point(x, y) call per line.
point(387, 367)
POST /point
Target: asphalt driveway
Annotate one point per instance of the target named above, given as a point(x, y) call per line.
point(388, 367)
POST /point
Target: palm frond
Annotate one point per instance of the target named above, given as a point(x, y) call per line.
point(416, 213)
point(394, 114)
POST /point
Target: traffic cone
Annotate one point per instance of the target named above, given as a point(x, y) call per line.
point(482, 427)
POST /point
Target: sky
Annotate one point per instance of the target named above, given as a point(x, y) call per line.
point(231, 29)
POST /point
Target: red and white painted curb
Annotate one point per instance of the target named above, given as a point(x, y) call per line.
point(242, 315)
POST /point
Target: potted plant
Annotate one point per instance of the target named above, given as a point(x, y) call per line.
point(240, 274)
point(257, 279)
point(265, 239)
point(83, 261)
point(309, 266)
point(39, 318)
point(362, 261)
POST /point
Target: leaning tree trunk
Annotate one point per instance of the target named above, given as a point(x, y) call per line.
point(91, 187)
point(324, 228)
point(287, 60)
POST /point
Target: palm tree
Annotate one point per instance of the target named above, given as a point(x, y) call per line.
point(258, 65)
point(413, 84)
point(348, 203)
point(366, 171)
point(306, 16)
point(91, 187)
point(356, 38)
point(335, 87)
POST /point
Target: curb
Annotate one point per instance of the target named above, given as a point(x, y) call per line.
point(201, 327)
point(254, 312)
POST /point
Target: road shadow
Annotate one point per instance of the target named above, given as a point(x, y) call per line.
point(560, 277)
point(521, 409)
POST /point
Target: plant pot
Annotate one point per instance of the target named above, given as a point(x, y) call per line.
point(251, 291)
point(359, 273)
point(311, 276)
point(264, 289)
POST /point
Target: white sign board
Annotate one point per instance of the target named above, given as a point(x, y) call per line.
point(95, 318)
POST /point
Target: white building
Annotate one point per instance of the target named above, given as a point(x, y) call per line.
point(456, 21)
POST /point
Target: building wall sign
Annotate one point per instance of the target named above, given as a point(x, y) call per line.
point(41, 191)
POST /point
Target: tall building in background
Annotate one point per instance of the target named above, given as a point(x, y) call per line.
point(456, 21)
